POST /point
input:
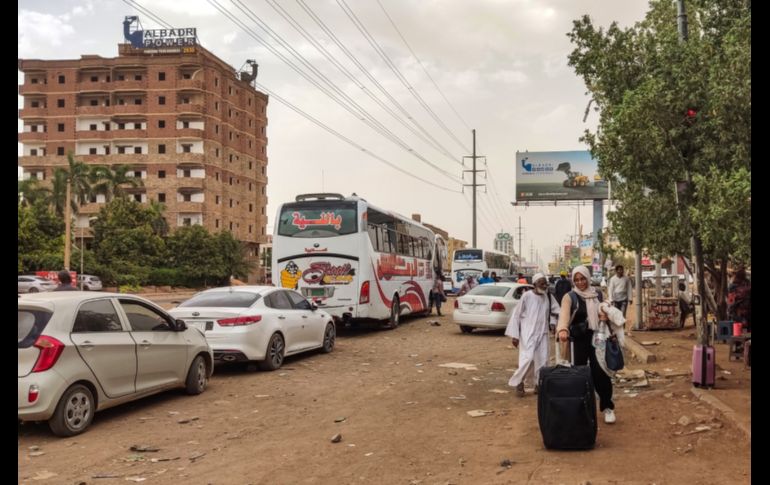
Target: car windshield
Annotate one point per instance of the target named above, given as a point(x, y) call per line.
point(31, 325)
point(228, 299)
point(489, 290)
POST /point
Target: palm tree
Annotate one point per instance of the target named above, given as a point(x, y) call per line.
point(74, 177)
point(111, 181)
point(159, 223)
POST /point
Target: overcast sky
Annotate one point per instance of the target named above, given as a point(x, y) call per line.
point(501, 64)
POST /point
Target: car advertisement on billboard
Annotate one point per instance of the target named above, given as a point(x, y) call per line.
point(553, 176)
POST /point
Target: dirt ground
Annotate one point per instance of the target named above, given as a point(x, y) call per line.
point(403, 420)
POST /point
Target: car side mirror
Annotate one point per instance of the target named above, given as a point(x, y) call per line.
point(180, 325)
point(313, 306)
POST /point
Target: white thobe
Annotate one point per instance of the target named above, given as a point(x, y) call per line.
point(529, 323)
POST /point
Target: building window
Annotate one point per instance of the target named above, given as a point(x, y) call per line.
point(92, 127)
point(33, 80)
point(161, 149)
point(250, 166)
point(121, 102)
point(137, 126)
point(263, 170)
point(249, 146)
point(249, 228)
point(216, 223)
point(231, 203)
point(121, 77)
point(186, 147)
point(229, 90)
point(121, 150)
point(138, 197)
point(230, 115)
point(161, 197)
point(138, 150)
point(231, 181)
point(33, 152)
point(34, 104)
point(93, 102)
point(187, 75)
point(217, 176)
point(60, 150)
point(263, 211)
point(216, 81)
point(94, 79)
point(231, 135)
point(161, 100)
point(231, 158)
point(216, 105)
point(161, 174)
point(263, 231)
point(249, 123)
point(249, 101)
point(263, 150)
point(249, 186)
point(185, 124)
point(217, 152)
point(186, 197)
point(92, 151)
point(216, 201)
point(250, 208)
point(216, 129)
point(185, 100)
point(161, 123)
point(60, 103)
point(60, 127)
point(161, 76)
point(61, 79)
point(137, 77)
point(137, 100)
point(186, 173)
point(263, 190)
point(187, 221)
point(231, 226)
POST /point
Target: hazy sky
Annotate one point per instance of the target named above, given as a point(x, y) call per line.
point(501, 64)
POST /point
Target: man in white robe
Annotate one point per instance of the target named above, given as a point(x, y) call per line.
point(528, 329)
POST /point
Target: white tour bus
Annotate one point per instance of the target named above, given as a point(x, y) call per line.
point(474, 261)
point(354, 260)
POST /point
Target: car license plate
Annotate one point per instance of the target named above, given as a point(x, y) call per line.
point(209, 326)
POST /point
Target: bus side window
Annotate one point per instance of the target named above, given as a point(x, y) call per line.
point(373, 233)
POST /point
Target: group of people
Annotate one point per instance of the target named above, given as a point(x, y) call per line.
point(575, 312)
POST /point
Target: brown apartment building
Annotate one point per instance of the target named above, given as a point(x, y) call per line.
point(188, 125)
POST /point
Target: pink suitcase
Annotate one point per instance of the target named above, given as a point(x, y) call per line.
point(703, 366)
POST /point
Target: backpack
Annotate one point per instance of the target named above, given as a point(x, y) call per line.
point(579, 329)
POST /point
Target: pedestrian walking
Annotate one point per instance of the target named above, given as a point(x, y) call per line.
point(620, 290)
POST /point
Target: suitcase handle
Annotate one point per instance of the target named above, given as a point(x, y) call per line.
point(559, 359)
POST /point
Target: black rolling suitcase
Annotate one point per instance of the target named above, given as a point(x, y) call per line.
point(566, 406)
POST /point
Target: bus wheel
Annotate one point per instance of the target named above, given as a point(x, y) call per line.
point(395, 313)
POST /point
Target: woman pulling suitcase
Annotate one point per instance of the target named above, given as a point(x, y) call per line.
point(579, 326)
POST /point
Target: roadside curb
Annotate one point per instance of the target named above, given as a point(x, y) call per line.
point(726, 410)
point(642, 355)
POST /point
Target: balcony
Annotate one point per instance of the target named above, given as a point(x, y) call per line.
point(189, 133)
point(130, 85)
point(88, 86)
point(196, 84)
point(33, 112)
point(189, 108)
point(190, 184)
point(191, 208)
point(93, 110)
point(124, 109)
point(33, 136)
point(94, 135)
point(27, 89)
point(128, 134)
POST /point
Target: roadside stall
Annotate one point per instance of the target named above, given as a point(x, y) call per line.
point(660, 297)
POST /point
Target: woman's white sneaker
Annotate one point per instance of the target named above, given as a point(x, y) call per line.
point(609, 416)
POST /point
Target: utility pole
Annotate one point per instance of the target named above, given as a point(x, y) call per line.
point(474, 184)
point(695, 243)
point(519, 234)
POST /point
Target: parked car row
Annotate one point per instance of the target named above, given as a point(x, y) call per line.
point(81, 352)
point(37, 284)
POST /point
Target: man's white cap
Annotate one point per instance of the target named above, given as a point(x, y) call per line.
point(537, 277)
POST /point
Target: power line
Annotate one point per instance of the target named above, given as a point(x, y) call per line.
point(423, 68)
point(147, 12)
point(360, 26)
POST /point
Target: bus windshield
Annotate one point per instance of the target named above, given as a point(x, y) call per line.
point(318, 219)
point(468, 255)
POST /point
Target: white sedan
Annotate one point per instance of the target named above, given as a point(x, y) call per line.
point(258, 323)
point(488, 306)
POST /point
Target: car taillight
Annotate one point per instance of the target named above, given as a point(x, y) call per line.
point(456, 305)
point(498, 307)
point(364, 293)
point(50, 350)
point(232, 322)
point(33, 394)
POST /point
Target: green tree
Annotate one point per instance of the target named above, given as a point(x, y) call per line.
point(644, 80)
point(125, 242)
point(112, 181)
point(40, 237)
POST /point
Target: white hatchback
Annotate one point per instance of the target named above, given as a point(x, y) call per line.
point(258, 323)
point(487, 306)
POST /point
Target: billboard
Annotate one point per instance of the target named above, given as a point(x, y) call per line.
point(553, 176)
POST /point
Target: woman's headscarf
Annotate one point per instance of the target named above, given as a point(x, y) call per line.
point(589, 295)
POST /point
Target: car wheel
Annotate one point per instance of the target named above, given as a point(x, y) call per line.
point(330, 336)
point(86, 288)
point(74, 412)
point(197, 377)
point(33, 290)
point(395, 313)
point(274, 354)
point(466, 329)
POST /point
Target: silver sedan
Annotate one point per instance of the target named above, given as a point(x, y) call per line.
point(487, 306)
point(81, 352)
